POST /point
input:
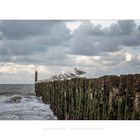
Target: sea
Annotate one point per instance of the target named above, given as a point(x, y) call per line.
point(18, 102)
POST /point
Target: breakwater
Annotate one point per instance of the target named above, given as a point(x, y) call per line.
point(105, 98)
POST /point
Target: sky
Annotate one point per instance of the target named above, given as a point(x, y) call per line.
point(103, 47)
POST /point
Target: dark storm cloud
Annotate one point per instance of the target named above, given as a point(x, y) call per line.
point(91, 39)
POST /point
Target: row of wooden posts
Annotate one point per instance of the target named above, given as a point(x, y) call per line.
point(104, 98)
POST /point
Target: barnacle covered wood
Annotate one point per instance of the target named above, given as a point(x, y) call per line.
point(104, 98)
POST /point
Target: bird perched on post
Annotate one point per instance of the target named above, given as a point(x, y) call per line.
point(79, 72)
point(64, 76)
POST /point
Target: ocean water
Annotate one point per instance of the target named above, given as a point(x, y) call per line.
point(18, 102)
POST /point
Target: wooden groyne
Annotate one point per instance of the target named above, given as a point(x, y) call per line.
point(104, 98)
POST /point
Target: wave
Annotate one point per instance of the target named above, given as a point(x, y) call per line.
point(19, 107)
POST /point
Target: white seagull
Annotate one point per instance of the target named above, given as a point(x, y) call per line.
point(79, 72)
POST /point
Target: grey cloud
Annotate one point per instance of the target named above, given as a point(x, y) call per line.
point(135, 62)
point(29, 38)
point(40, 31)
point(16, 47)
point(19, 29)
point(5, 58)
point(59, 35)
point(89, 39)
point(126, 26)
point(50, 42)
point(51, 56)
point(112, 59)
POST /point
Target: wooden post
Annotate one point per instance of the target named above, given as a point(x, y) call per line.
point(105, 98)
point(36, 75)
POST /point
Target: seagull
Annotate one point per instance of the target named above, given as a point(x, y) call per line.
point(60, 76)
point(65, 75)
point(72, 75)
point(46, 80)
point(54, 77)
point(79, 72)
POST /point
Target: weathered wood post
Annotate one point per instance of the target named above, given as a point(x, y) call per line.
point(36, 76)
point(106, 98)
point(37, 86)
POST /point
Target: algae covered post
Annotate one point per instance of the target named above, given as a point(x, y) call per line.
point(105, 98)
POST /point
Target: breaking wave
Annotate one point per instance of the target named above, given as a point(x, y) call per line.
point(19, 106)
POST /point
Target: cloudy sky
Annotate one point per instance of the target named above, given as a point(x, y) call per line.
point(99, 47)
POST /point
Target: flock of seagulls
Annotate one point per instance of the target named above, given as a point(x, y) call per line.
point(64, 76)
